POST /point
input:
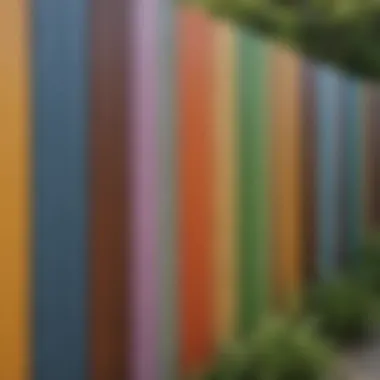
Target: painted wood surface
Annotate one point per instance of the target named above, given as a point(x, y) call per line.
point(355, 168)
point(15, 189)
point(309, 171)
point(286, 194)
point(327, 185)
point(109, 192)
point(253, 179)
point(225, 184)
point(145, 272)
point(167, 189)
point(195, 123)
point(372, 157)
point(60, 169)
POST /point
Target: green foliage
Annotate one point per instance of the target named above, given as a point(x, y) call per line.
point(280, 349)
point(344, 308)
point(345, 33)
point(231, 364)
point(287, 349)
point(369, 270)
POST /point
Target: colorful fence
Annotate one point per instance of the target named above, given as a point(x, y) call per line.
point(166, 178)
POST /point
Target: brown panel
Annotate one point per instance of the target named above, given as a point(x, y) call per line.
point(109, 238)
point(309, 165)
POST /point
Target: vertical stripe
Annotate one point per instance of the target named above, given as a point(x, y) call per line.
point(195, 192)
point(145, 196)
point(327, 228)
point(354, 168)
point(253, 177)
point(309, 169)
point(168, 334)
point(14, 204)
point(60, 171)
point(225, 247)
point(342, 165)
point(373, 157)
point(287, 170)
point(109, 197)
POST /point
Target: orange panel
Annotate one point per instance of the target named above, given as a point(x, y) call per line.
point(287, 170)
point(14, 242)
point(195, 188)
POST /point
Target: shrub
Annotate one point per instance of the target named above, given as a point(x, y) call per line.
point(231, 364)
point(285, 349)
point(369, 269)
point(344, 309)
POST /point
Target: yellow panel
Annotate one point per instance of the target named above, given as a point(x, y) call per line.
point(225, 182)
point(14, 239)
point(287, 170)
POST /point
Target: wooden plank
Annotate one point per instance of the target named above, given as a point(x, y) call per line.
point(14, 193)
point(110, 165)
point(372, 157)
point(145, 276)
point(253, 150)
point(355, 168)
point(309, 171)
point(225, 184)
point(195, 188)
point(327, 185)
point(287, 175)
point(60, 189)
point(168, 183)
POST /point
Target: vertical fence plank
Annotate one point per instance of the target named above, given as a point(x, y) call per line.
point(14, 199)
point(309, 170)
point(327, 187)
point(59, 194)
point(287, 174)
point(109, 230)
point(354, 168)
point(195, 187)
point(253, 179)
point(145, 190)
point(225, 185)
point(372, 157)
point(168, 183)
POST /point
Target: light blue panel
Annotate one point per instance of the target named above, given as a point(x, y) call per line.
point(327, 88)
point(60, 170)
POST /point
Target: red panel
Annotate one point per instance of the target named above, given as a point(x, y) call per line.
point(195, 188)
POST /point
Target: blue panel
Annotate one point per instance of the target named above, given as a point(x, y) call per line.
point(60, 127)
point(327, 88)
point(354, 175)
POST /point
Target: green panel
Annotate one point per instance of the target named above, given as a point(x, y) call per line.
point(253, 176)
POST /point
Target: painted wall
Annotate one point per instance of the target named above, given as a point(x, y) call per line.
point(166, 178)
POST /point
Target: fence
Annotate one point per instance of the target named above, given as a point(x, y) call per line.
point(166, 178)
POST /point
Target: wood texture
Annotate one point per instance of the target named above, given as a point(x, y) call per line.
point(168, 191)
point(145, 274)
point(373, 165)
point(110, 160)
point(225, 184)
point(253, 129)
point(15, 187)
point(60, 96)
point(286, 176)
point(327, 185)
point(355, 168)
point(195, 188)
point(309, 170)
